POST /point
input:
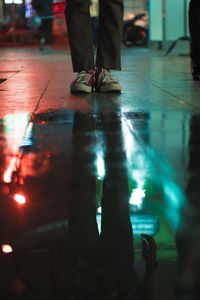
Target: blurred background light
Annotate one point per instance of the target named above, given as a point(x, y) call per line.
point(19, 198)
point(137, 196)
point(6, 249)
point(100, 165)
point(13, 1)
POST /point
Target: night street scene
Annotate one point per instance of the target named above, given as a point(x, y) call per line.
point(99, 150)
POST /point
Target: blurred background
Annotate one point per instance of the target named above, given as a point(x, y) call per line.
point(162, 21)
point(15, 26)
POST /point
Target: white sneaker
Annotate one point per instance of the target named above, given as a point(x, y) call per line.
point(104, 82)
point(83, 83)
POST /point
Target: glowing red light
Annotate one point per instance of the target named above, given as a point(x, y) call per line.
point(19, 198)
point(6, 249)
point(7, 176)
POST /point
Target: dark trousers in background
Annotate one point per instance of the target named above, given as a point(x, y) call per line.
point(194, 24)
point(46, 30)
point(81, 38)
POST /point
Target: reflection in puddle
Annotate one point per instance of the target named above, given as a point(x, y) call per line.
point(96, 176)
point(136, 161)
point(150, 171)
point(32, 160)
point(137, 196)
point(141, 223)
point(14, 128)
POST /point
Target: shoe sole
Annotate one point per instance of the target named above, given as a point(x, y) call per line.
point(81, 89)
point(110, 89)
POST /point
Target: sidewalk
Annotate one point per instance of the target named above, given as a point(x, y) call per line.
point(166, 80)
point(57, 147)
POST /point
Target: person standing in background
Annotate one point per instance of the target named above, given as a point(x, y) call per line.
point(95, 75)
point(194, 25)
point(44, 8)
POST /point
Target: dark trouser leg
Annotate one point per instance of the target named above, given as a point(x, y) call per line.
point(46, 31)
point(79, 29)
point(83, 236)
point(95, 24)
point(194, 24)
point(116, 234)
point(110, 34)
point(49, 31)
point(42, 30)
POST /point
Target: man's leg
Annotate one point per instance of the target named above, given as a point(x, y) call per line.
point(194, 24)
point(83, 236)
point(42, 34)
point(110, 34)
point(80, 34)
point(49, 33)
point(116, 229)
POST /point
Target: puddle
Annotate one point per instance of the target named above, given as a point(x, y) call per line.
point(118, 175)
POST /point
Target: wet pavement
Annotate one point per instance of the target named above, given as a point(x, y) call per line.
point(83, 176)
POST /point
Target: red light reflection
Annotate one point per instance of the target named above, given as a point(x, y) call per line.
point(7, 176)
point(20, 199)
point(6, 249)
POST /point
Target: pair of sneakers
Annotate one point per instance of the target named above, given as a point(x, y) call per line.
point(99, 79)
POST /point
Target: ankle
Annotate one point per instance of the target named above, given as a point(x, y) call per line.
point(100, 68)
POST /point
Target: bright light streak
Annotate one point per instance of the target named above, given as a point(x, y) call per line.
point(14, 127)
point(27, 139)
point(137, 164)
point(20, 199)
point(98, 219)
point(29, 131)
point(144, 163)
point(16, 123)
point(131, 145)
point(7, 176)
point(137, 196)
point(6, 249)
point(99, 210)
point(13, 1)
point(100, 166)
